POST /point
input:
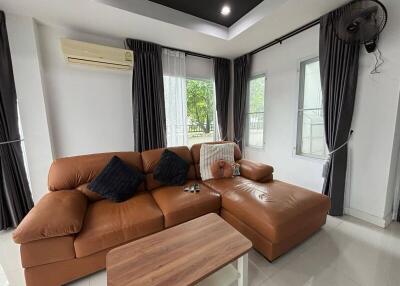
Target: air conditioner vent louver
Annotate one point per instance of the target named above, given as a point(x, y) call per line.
point(77, 52)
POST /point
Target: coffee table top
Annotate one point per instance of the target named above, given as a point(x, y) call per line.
point(181, 255)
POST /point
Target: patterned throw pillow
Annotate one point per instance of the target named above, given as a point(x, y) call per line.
point(210, 153)
point(171, 170)
point(117, 181)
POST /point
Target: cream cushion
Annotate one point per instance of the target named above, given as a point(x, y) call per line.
point(209, 153)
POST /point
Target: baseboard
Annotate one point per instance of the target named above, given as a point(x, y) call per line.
point(381, 222)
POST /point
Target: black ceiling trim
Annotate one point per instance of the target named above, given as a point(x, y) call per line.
point(210, 10)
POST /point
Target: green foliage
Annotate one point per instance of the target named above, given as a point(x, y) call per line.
point(256, 100)
point(200, 103)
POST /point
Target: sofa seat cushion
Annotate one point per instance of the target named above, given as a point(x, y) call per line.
point(275, 209)
point(222, 185)
point(179, 206)
point(108, 224)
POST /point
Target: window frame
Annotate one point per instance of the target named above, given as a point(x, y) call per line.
point(300, 109)
point(247, 131)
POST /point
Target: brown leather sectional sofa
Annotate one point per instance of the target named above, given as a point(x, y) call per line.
point(67, 236)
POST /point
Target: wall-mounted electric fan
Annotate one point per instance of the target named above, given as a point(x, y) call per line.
point(361, 22)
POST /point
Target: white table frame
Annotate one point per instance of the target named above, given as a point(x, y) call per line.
point(243, 268)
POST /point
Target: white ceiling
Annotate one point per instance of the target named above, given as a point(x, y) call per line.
point(266, 22)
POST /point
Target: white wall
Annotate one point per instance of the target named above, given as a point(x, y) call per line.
point(369, 193)
point(280, 64)
point(89, 109)
point(26, 66)
point(375, 145)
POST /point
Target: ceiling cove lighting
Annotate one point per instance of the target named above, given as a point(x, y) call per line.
point(226, 10)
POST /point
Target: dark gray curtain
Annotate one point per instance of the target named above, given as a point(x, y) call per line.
point(15, 196)
point(339, 71)
point(241, 81)
point(148, 96)
point(222, 73)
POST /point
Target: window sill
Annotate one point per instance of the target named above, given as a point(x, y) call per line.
point(311, 158)
point(255, 148)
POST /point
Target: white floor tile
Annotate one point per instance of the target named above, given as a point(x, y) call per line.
point(256, 277)
point(295, 276)
point(81, 282)
point(12, 278)
point(99, 279)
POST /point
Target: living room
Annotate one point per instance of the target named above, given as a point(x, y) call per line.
point(315, 132)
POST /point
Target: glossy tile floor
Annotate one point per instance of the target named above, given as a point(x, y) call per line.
point(346, 252)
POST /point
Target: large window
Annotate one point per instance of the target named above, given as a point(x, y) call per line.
point(200, 110)
point(189, 99)
point(255, 112)
point(310, 126)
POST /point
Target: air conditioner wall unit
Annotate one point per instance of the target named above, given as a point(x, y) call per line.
point(77, 52)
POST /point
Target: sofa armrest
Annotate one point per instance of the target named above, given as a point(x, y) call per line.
point(56, 214)
point(255, 171)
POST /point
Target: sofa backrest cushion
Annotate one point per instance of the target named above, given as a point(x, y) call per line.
point(151, 158)
point(195, 150)
point(72, 172)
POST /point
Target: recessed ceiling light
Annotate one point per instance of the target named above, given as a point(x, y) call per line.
point(226, 10)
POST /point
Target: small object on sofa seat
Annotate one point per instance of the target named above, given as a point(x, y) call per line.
point(221, 169)
point(236, 169)
point(56, 214)
point(193, 188)
point(117, 181)
point(210, 153)
point(92, 196)
point(171, 170)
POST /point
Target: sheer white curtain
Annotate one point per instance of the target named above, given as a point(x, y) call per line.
point(174, 69)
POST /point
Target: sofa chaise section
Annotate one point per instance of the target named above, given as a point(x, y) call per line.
point(274, 215)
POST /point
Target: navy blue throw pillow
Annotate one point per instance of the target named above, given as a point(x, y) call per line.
point(117, 181)
point(171, 170)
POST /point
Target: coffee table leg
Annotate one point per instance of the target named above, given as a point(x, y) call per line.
point(243, 270)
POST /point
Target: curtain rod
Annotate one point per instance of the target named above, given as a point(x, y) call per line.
point(287, 36)
point(184, 51)
point(189, 53)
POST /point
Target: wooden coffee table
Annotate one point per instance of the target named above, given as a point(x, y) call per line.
point(179, 256)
